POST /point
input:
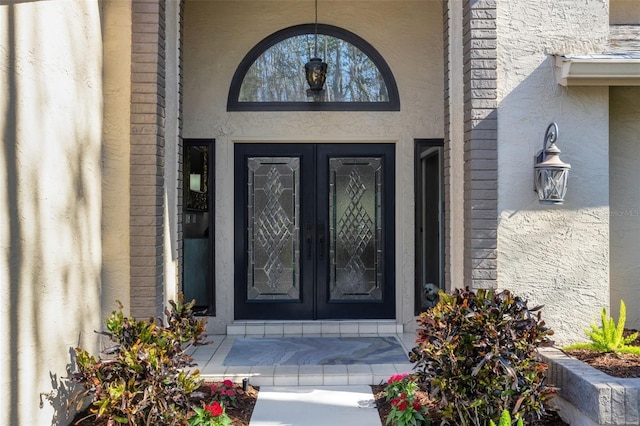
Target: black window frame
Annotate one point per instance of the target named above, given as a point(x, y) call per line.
point(233, 104)
point(420, 145)
point(208, 308)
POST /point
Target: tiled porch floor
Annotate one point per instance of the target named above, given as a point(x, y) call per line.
point(210, 360)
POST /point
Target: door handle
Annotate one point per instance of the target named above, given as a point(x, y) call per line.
point(320, 240)
point(308, 240)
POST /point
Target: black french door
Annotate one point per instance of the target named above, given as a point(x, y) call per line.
point(314, 231)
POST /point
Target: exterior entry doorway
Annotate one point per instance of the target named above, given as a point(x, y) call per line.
point(314, 231)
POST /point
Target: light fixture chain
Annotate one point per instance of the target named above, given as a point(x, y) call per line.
point(315, 32)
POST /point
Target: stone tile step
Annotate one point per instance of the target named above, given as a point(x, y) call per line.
point(210, 360)
point(303, 376)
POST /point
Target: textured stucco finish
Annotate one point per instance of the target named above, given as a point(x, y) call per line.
point(50, 200)
point(116, 29)
point(557, 256)
point(625, 201)
point(219, 34)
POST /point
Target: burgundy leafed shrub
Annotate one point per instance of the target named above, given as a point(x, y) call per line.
point(476, 352)
point(141, 380)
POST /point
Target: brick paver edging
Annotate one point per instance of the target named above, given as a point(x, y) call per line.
point(602, 399)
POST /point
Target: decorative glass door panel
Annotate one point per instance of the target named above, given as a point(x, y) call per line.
point(314, 231)
point(355, 229)
point(273, 228)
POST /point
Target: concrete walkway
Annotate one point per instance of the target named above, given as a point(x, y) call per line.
point(307, 395)
point(315, 406)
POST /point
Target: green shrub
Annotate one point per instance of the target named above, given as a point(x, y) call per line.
point(609, 336)
point(477, 355)
point(142, 380)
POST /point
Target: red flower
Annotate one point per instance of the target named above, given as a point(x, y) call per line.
point(393, 378)
point(230, 392)
point(228, 383)
point(397, 377)
point(215, 408)
point(417, 406)
point(395, 401)
point(403, 406)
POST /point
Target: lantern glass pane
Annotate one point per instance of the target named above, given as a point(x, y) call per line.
point(551, 184)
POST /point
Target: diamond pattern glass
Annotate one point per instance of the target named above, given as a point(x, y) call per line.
point(273, 228)
point(355, 228)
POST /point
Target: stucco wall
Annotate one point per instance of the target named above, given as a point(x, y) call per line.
point(625, 201)
point(557, 256)
point(50, 200)
point(408, 34)
point(116, 30)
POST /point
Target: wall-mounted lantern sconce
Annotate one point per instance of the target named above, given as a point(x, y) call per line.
point(550, 173)
point(315, 70)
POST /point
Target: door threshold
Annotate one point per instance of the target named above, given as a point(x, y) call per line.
point(318, 327)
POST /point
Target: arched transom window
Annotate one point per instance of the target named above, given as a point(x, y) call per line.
point(271, 76)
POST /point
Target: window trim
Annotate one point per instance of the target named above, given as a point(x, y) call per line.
point(393, 104)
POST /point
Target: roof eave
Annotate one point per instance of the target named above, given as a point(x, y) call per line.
point(598, 70)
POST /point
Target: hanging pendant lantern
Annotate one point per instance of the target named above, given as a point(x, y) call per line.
point(315, 70)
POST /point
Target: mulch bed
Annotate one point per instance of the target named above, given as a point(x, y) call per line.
point(551, 419)
point(616, 365)
point(245, 401)
point(240, 414)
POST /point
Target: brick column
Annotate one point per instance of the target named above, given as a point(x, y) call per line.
point(147, 158)
point(480, 143)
